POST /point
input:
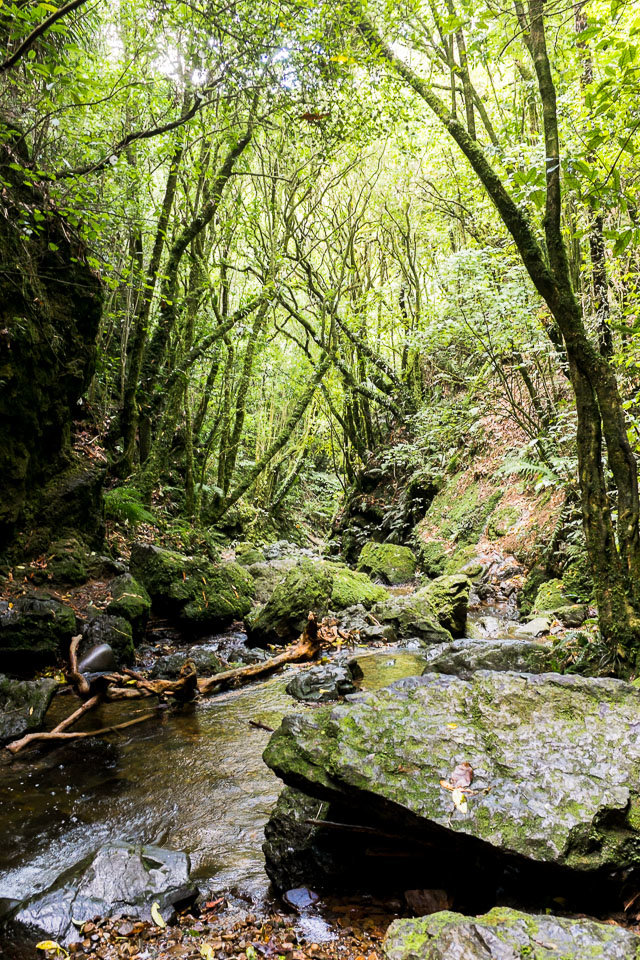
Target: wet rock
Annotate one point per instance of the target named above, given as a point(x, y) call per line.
point(433, 614)
point(131, 601)
point(206, 659)
point(23, 705)
point(98, 659)
point(192, 589)
point(556, 762)
point(34, 630)
point(535, 628)
point(324, 683)
point(121, 878)
point(114, 632)
point(317, 586)
point(300, 898)
point(387, 561)
point(504, 934)
point(464, 657)
point(365, 626)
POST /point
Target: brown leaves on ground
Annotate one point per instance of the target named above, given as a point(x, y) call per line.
point(460, 778)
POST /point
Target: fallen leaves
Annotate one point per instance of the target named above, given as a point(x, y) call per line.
point(459, 780)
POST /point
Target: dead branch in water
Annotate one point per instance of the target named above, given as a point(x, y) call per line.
point(131, 685)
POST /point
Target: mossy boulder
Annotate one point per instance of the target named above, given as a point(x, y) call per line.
point(248, 553)
point(555, 759)
point(576, 579)
point(433, 558)
point(465, 561)
point(462, 517)
point(552, 601)
point(533, 581)
point(506, 934)
point(192, 589)
point(23, 705)
point(389, 562)
point(68, 561)
point(34, 630)
point(446, 599)
point(131, 601)
point(317, 586)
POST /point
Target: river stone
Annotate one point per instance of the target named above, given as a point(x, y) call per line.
point(207, 663)
point(323, 683)
point(105, 630)
point(535, 628)
point(464, 657)
point(120, 879)
point(556, 761)
point(23, 704)
point(34, 630)
point(99, 659)
point(505, 934)
point(433, 614)
point(388, 561)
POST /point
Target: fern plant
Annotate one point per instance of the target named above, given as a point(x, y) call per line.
point(123, 505)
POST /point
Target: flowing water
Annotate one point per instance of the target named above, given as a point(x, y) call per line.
point(191, 780)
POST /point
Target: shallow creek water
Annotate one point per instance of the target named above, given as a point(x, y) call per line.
point(192, 781)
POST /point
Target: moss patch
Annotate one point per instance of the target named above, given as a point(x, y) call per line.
point(388, 561)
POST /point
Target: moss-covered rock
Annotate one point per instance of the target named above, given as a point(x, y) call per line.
point(248, 553)
point(433, 558)
point(552, 601)
point(23, 704)
point(446, 599)
point(533, 581)
point(464, 657)
point(465, 561)
point(388, 561)
point(192, 589)
point(576, 579)
point(555, 759)
point(67, 561)
point(506, 934)
point(131, 601)
point(461, 517)
point(34, 630)
point(311, 586)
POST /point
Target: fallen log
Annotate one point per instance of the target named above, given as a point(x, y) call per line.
point(59, 735)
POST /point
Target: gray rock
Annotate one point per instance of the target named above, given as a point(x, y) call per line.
point(23, 705)
point(556, 761)
point(535, 628)
point(120, 879)
point(464, 657)
point(114, 632)
point(99, 659)
point(267, 574)
point(504, 934)
point(323, 683)
point(207, 663)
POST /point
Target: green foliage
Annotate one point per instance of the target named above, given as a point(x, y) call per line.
point(123, 504)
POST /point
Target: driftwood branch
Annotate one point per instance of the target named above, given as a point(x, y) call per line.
point(79, 682)
point(58, 735)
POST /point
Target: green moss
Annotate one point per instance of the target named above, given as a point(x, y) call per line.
point(67, 561)
point(388, 561)
point(576, 579)
point(465, 561)
point(462, 518)
point(350, 588)
point(433, 558)
point(502, 521)
point(248, 553)
point(131, 601)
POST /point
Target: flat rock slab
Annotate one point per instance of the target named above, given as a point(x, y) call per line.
point(464, 657)
point(504, 934)
point(23, 704)
point(122, 879)
point(555, 760)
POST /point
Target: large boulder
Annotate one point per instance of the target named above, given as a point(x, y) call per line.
point(555, 762)
point(505, 934)
point(130, 600)
point(192, 589)
point(389, 562)
point(317, 586)
point(433, 614)
point(121, 879)
point(34, 630)
point(464, 657)
point(23, 705)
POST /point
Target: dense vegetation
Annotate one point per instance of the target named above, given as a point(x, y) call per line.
point(323, 235)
